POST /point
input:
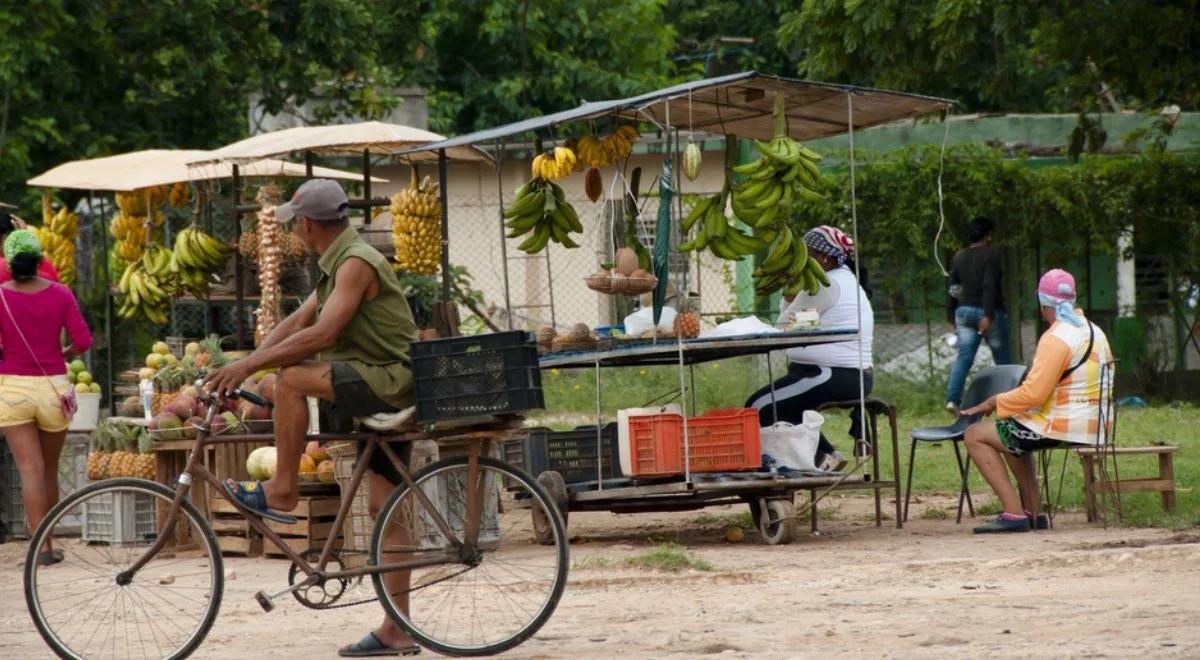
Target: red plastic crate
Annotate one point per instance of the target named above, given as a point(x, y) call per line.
point(724, 440)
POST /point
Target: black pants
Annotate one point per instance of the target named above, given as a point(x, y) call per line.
point(806, 387)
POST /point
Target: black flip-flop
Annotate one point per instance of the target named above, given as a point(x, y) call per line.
point(49, 557)
point(370, 646)
point(250, 495)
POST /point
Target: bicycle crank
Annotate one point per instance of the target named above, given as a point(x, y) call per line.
point(316, 592)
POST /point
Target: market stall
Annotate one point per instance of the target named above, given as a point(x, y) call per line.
point(776, 112)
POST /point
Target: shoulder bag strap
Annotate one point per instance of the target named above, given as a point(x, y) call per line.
point(1086, 353)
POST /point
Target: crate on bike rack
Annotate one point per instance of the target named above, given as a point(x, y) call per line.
point(118, 518)
point(480, 375)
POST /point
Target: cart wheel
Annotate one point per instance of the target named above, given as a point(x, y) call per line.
point(556, 488)
point(778, 526)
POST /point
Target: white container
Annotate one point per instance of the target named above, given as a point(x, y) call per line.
point(88, 415)
point(623, 430)
point(120, 519)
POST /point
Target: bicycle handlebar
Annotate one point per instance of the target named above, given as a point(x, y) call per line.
point(237, 393)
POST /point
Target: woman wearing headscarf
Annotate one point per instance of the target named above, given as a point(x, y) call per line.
point(1057, 404)
point(8, 224)
point(829, 372)
point(33, 314)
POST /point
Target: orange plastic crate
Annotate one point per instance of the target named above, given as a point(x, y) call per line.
point(724, 440)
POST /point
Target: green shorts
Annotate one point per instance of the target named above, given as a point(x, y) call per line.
point(1017, 439)
point(353, 397)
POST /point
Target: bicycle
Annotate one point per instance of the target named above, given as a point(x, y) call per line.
point(481, 581)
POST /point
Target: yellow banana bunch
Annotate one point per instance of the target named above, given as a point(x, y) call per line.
point(140, 201)
point(57, 236)
point(196, 257)
point(554, 165)
point(540, 209)
point(417, 227)
point(146, 287)
point(602, 152)
point(180, 194)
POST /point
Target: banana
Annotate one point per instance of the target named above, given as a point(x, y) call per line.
point(777, 258)
point(537, 241)
point(714, 223)
point(775, 192)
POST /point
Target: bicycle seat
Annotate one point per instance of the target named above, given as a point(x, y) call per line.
point(402, 420)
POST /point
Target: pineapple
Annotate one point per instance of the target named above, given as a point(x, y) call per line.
point(98, 456)
point(687, 321)
point(145, 460)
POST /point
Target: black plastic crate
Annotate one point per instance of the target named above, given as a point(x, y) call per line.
point(572, 453)
point(493, 374)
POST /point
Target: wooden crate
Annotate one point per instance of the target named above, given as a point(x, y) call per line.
point(314, 524)
point(235, 535)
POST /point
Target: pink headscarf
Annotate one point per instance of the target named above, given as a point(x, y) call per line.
point(1056, 289)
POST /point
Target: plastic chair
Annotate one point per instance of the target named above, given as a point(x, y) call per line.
point(988, 382)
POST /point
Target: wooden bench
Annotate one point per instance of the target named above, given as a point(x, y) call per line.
point(1164, 484)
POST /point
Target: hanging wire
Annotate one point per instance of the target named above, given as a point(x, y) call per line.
point(941, 210)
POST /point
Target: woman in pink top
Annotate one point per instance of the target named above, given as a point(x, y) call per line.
point(33, 313)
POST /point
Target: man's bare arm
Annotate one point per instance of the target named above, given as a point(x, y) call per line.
point(303, 317)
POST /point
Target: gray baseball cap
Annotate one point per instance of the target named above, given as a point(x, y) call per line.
point(318, 199)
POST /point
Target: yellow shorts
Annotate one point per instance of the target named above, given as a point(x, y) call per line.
point(25, 399)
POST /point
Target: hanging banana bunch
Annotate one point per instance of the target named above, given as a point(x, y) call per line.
point(57, 236)
point(417, 227)
point(554, 165)
point(717, 235)
point(540, 209)
point(602, 152)
point(180, 193)
point(196, 257)
point(785, 174)
point(146, 286)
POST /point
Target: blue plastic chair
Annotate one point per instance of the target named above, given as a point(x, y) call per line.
point(988, 382)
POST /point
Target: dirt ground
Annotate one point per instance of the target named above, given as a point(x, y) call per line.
point(929, 590)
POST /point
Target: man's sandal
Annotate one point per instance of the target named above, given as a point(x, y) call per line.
point(250, 494)
point(370, 646)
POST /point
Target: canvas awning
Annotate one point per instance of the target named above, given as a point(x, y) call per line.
point(738, 104)
point(157, 167)
point(376, 137)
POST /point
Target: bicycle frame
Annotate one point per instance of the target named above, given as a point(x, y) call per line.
point(461, 552)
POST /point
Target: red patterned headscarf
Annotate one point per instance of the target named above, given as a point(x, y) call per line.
point(831, 242)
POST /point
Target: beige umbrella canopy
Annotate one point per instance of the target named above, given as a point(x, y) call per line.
point(157, 167)
point(375, 137)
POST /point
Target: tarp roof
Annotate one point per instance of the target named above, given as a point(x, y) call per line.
point(737, 104)
point(376, 137)
point(157, 167)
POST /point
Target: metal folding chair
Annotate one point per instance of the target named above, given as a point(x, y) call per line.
point(988, 382)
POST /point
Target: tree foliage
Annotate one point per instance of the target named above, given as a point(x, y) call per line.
point(1007, 56)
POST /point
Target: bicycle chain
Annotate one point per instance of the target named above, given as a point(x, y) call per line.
point(394, 593)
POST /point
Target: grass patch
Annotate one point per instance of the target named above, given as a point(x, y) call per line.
point(991, 507)
point(669, 558)
point(742, 520)
point(934, 513)
point(591, 561)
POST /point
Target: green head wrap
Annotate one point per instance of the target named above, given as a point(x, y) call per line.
point(21, 241)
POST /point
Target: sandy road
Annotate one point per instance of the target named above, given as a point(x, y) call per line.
point(930, 590)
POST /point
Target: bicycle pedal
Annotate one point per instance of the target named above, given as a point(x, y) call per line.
point(264, 601)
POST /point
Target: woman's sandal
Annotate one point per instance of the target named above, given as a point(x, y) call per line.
point(250, 494)
point(370, 646)
point(49, 557)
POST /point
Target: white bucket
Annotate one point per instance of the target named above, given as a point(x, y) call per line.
point(88, 415)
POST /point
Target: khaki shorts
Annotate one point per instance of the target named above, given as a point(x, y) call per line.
point(25, 399)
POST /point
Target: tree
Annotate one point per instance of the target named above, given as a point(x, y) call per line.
point(699, 24)
point(1005, 56)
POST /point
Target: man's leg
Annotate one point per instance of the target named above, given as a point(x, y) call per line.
point(965, 324)
point(983, 443)
point(397, 581)
point(292, 387)
point(998, 340)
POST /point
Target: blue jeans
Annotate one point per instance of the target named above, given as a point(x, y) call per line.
point(966, 326)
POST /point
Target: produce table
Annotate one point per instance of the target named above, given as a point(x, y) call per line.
point(700, 349)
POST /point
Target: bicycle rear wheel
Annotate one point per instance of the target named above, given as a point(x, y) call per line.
point(84, 610)
point(482, 602)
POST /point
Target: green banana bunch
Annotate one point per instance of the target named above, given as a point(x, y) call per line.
point(786, 173)
point(788, 266)
point(541, 210)
point(195, 259)
point(145, 294)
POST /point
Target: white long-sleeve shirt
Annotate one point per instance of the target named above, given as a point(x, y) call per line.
point(837, 307)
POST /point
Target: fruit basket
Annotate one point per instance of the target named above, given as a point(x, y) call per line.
point(619, 284)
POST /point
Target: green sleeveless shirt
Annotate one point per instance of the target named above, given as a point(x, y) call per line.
point(376, 341)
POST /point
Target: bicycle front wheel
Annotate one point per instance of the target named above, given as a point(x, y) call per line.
point(84, 608)
point(487, 599)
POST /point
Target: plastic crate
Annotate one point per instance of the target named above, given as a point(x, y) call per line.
point(72, 475)
point(572, 453)
point(513, 453)
point(493, 374)
point(119, 518)
point(724, 440)
point(358, 526)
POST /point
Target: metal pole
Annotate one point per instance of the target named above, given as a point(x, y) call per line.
point(367, 217)
point(599, 433)
point(503, 234)
point(239, 307)
point(550, 288)
point(445, 226)
point(108, 306)
point(308, 164)
point(859, 445)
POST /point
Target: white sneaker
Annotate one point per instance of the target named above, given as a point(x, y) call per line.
point(952, 408)
point(833, 462)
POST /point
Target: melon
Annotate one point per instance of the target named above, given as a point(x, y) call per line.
point(316, 452)
point(325, 472)
point(307, 464)
point(261, 463)
point(167, 425)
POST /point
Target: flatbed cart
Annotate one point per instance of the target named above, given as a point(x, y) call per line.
point(770, 495)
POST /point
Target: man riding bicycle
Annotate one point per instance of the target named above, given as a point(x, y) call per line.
point(348, 345)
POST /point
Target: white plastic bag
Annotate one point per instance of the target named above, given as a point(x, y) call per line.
point(794, 447)
point(642, 321)
point(747, 325)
